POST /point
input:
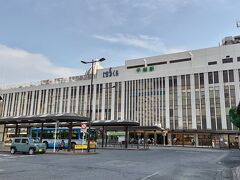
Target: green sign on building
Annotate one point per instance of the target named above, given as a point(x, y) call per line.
point(145, 69)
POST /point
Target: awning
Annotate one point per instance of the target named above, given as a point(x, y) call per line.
point(115, 123)
point(46, 118)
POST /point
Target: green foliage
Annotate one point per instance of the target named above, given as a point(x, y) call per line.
point(234, 116)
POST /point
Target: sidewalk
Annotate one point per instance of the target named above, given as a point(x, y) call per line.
point(64, 152)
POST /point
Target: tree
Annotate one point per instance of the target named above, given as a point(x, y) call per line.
point(234, 114)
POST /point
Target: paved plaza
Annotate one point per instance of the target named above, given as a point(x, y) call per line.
point(162, 163)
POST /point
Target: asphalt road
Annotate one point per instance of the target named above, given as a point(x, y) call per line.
point(174, 163)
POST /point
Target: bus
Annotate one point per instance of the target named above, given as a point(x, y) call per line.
point(48, 136)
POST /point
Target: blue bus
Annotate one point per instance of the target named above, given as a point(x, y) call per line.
point(48, 136)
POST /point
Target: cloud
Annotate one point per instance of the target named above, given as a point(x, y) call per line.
point(140, 41)
point(19, 66)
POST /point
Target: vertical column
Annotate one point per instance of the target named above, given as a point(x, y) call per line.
point(169, 137)
point(25, 104)
point(236, 83)
point(122, 100)
point(39, 101)
point(126, 137)
point(32, 103)
point(94, 102)
point(132, 100)
point(112, 103)
point(6, 105)
point(160, 96)
point(152, 102)
point(70, 137)
point(127, 103)
point(207, 101)
point(155, 137)
point(46, 102)
point(61, 101)
point(53, 101)
point(69, 99)
point(103, 101)
point(13, 105)
point(85, 101)
point(77, 100)
point(196, 140)
point(138, 101)
point(167, 102)
point(19, 102)
point(222, 101)
point(179, 96)
point(193, 102)
point(141, 102)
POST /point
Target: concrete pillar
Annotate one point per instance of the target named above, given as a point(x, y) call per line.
point(164, 140)
point(16, 130)
point(167, 102)
point(144, 136)
point(207, 101)
point(2, 128)
point(126, 137)
point(196, 140)
point(155, 137)
point(169, 137)
point(122, 100)
point(222, 101)
point(193, 102)
point(70, 137)
point(41, 133)
point(103, 135)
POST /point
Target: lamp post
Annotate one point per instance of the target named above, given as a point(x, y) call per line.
point(91, 97)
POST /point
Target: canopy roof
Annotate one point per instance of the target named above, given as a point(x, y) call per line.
point(46, 118)
point(114, 123)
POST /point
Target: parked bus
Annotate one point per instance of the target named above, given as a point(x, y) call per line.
point(48, 136)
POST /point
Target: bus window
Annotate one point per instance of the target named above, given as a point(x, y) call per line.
point(34, 134)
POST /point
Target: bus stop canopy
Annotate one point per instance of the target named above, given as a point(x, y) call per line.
point(114, 123)
point(69, 118)
point(46, 118)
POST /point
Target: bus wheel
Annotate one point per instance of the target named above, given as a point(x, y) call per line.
point(46, 144)
point(73, 145)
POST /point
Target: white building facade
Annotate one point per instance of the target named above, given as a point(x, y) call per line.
point(188, 93)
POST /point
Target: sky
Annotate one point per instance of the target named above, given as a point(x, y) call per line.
point(47, 39)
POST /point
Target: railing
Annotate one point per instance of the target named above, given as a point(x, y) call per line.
point(50, 81)
point(122, 146)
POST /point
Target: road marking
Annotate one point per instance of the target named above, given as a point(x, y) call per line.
point(151, 175)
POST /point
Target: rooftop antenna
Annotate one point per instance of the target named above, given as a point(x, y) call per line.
point(145, 62)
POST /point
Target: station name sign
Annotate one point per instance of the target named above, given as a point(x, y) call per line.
point(110, 73)
point(145, 69)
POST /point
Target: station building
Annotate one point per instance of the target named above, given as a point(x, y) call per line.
point(188, 94)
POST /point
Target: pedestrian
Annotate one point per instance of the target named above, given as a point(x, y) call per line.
point(61, 146)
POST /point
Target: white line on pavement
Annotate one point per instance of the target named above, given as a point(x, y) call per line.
point(151, 175)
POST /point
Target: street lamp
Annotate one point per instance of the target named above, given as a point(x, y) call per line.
point(91, 97)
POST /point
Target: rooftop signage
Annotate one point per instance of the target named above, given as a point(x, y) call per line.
point(145, 69)
point(110, 73)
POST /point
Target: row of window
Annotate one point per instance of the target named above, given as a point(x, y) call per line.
point(224, 60)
